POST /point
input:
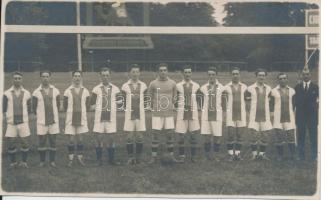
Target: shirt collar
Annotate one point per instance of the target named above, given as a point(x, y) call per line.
point(50, 86)
point(308, 83)
point(72, 86)
point(257, 85)
point(279, 87)
point(130, 81)
point(216, 82)
point(12, 88)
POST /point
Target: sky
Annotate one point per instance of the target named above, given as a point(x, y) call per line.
point(219, 12)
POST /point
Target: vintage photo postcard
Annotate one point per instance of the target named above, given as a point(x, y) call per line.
point(171, 99)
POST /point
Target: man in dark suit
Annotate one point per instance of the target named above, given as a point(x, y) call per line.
point(306, 104)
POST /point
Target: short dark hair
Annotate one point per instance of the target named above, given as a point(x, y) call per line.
point(45, 71)
point(282, 74)
point(163, 65)
point(17, 73)
point(136, 66)
point(187, 67)
point(104, 69)
point(235, 69)
point(76, 71)
point(212, 68)
point(260, 70)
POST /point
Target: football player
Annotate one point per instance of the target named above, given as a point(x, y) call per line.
point(16, 107)
point(134, 92)
point(76, 104)
point(259, 119)
point(282, 101)
point(104, 102)
point(46, 103)
point(187, 113)
point(235, 114)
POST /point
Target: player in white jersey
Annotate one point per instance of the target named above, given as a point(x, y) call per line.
point(134, 92)
point(282, 101)
point(16, 106)
point(46, 103)
point(103, 101)
point(76, 104)
point(259, 119)
point(187, 113)
point(162, 93)
point(235, 114)
point(211, 123)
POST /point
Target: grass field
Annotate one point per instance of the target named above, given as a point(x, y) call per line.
point(226, 178)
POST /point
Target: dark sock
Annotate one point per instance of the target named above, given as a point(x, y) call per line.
point(130, 149)
point(170, 147)
point(216, 147)
point(71, 149)
point(139, 148)
point(42, 155)
point(154, 148)
point(12, 155)
point(262, 148)
point(279, 149)
point(99, 153)
point(52, 155)
point(291, 148)
point(238, 146)
point(229, 146)
point(253, 147)
point(207, 147)
point(24, 155)
point(181, 148)
point(111, 154)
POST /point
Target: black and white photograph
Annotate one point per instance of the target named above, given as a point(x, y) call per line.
point(171, 99)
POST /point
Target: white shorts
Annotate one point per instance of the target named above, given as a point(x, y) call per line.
point(284, 126)
point(105, 127)
point(51, 129)
point(236, 124)
point(19, 130)
point(211, 127)
point(260, 126)
point(182, 126)
point(134, 125)
point(73, 130)
point(159, 123)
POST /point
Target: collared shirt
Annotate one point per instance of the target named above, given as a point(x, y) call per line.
point(76, 115)
point(46, 105)
point(134, 99)
point(306, 85)
point(212, 103)
point(236, 106)
point(16, 108)
point(282, 101)
point(187, 104)
point(104, 97)
point(260, 109)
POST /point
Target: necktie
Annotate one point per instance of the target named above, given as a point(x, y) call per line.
point(306, 87)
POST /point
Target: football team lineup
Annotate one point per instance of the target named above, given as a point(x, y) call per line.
point(219, 168)
point(163, 97)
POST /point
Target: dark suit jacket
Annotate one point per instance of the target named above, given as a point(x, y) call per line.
point(306, 104)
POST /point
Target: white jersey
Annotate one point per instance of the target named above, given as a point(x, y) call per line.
point(41, 115)
point(260, 109)
point(105, 102)
point(236, 106)
point(205, 89)
point(25, 96)
point(283, 115)
point(83, 109)
point(187, 95)
point(137, 111)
